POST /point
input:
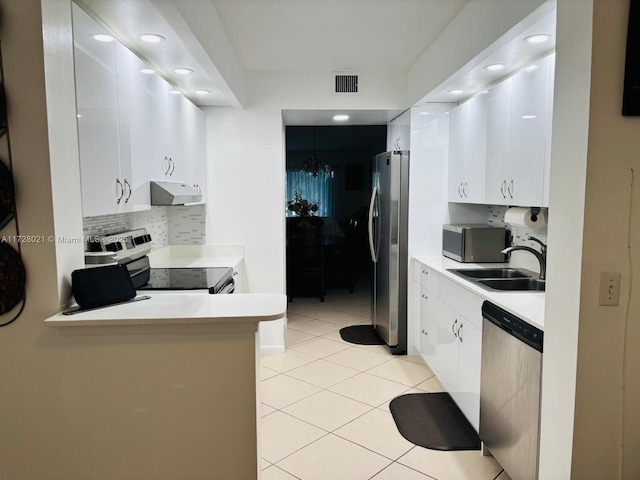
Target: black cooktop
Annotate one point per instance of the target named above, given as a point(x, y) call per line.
point(213, 279)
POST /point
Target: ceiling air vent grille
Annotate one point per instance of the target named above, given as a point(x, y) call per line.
point(346, 82)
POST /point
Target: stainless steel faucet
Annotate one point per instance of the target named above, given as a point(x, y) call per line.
point(541, 255)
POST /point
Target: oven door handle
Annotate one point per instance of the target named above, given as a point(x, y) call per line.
point(229, 286)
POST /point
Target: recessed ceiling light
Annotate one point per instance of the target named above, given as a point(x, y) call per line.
point(531, 68)
point(425, 113)
point(146, 71)
point(528, 117)
point(101, 37)
point(456, 91)
point(175, 92)
point(151, 37)
point(540, 38)
point(341, 118)
point(494, 67)
point(183, 71)
point(79, 115)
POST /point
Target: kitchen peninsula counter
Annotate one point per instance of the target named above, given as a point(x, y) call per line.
point(163, 388)
point(181, 309)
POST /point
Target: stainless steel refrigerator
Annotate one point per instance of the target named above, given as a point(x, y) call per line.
point(388, 232)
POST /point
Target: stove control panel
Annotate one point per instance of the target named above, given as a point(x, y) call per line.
point(127, 246)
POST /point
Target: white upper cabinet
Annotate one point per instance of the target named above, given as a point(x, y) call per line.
point(399, 132)
point(133, 109)
point(467, 150)
point(177, 131)
point(131, 128)
point(525, 174)
point(498, 142)
point(97, 104)
point(502, 138)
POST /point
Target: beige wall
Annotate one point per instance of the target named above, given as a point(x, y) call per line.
point(608, 338)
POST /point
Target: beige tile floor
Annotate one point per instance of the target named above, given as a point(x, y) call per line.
point(325, 404)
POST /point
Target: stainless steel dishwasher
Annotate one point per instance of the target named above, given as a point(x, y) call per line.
point(510, 391)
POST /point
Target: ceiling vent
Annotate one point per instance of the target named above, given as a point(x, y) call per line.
point(346, 82)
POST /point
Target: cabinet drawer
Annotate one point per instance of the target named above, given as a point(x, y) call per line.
point(429, 279)
point(468, 304)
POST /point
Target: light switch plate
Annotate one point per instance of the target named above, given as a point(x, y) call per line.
point(610, 288)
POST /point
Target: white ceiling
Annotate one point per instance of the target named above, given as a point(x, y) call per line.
point(278, 35)
point(328, 35)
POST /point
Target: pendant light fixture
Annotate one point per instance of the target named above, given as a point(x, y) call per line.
point(313, 164)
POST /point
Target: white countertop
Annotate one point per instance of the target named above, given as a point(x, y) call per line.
point(185, 308)
point(182, 309)
point(529, 306)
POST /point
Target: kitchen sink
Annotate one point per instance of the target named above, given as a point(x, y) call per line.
point(491, 273)
point(501, 279)
point(514, 284)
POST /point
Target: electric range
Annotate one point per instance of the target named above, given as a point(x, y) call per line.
point(131, 248)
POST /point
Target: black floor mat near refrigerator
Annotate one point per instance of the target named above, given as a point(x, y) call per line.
point(361, 335)
point(433, 420)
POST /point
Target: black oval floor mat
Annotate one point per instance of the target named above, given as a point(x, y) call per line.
point(433, 420)
point(361, 335)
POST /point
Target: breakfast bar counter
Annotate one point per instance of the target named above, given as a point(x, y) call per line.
point(169, 387)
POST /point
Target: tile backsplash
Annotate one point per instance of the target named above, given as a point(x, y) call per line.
point(186, 225)
point(179, 225)
point(519, 234)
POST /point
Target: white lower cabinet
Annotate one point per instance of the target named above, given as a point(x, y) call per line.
point(451, 339)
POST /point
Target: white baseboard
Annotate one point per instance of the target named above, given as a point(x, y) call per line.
point(272, 349)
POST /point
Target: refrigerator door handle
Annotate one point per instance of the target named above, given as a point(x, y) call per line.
point(372, 248)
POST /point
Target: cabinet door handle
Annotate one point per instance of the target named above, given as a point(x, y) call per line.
point(511, 188)
point(127, 184)
point(424, 332)
point(460, 189)
point(453, 328)
point(424, 296)
point(173, 166)
point(120, 189)
point(166, 166)
point(465, 189)
point(503, 188)
point(460, 331)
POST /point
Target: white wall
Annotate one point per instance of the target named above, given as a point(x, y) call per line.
point(566, 204)
point(63, 141)
point(246, 167)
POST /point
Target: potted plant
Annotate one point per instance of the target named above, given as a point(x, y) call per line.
point(304, 209)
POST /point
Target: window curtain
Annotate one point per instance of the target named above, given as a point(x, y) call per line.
point(314, 189)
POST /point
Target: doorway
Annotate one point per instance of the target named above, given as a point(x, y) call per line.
point(330, 167)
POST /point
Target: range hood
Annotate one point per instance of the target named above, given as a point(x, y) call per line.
point(173, 193)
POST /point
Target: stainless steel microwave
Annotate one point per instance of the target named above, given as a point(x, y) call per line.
point(474, 243)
